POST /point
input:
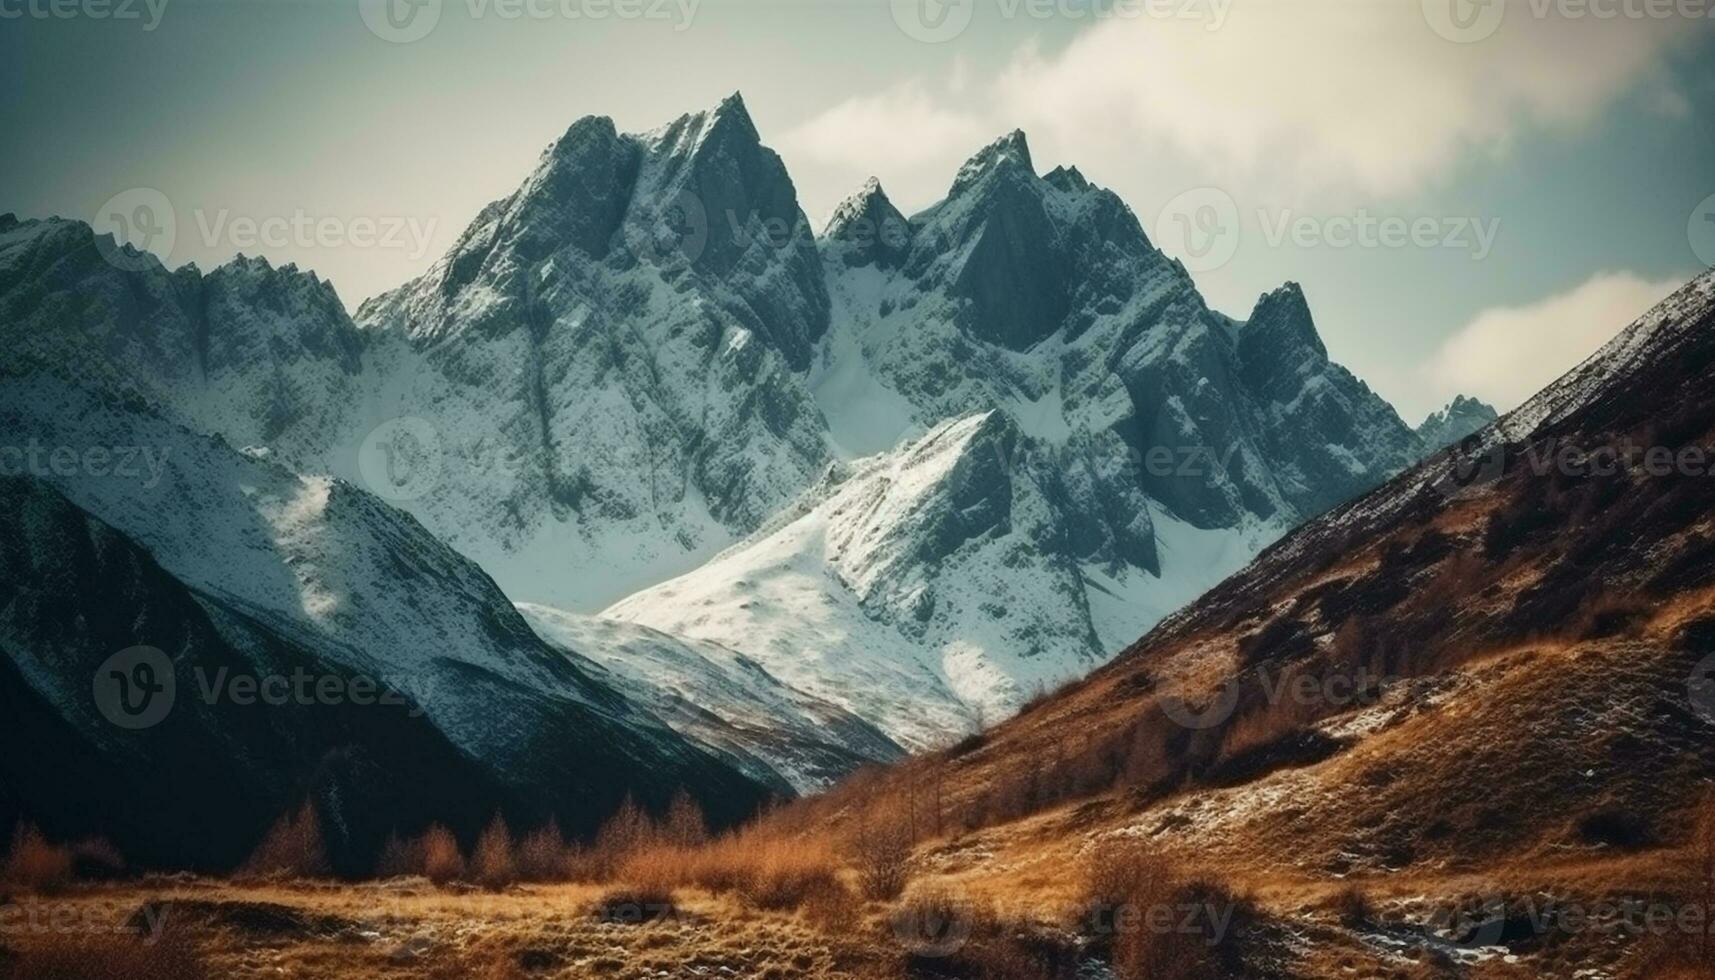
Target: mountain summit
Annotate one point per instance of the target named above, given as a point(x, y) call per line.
point(642, 359)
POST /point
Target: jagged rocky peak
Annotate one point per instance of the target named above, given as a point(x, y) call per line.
point(1279, 344)
point(706, 129)
point(577, 195)
point(730, 211)
point(1460, 418)
point(74, 241)
point(1069, 179)
point(996, 246)
point(699, 195)
point(256, 313)
point(1008, 155)
point(869, 228)
point(740, 187)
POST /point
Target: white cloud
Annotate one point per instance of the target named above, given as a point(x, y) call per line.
point(1303, 95)
point(916, 141)
point(1286, 100)
point(1506, 354)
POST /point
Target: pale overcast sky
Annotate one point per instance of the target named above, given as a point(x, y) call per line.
point(1474, 193)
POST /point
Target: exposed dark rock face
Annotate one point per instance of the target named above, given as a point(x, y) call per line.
point(199, 788)
point(1462, 417)
point(871, 228)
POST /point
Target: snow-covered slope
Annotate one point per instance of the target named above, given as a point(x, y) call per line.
point(1146, 446)
point(779, 734)
point(928, 589)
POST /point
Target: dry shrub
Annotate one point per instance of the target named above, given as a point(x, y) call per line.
point(1274, 717)
point(1154, 923)
point(1604, 616)
point(1124, 874)
point(832, 908)
point(947, 936)
point(400, 858)
point(629, 831)
point(1143, 763)
point(442, 860)
point(935, 921)
point(169, 956)
point(35, 864)
point(293, 848)
point(96, 857)
point(492, 865)
point(1354, 908)
point(543, 854)
point(882, 855)
point(762, 870)
point(684, 826)
point(781, 883)
point(659, 867)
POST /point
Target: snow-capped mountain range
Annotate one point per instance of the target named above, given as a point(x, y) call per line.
point(810, 499)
